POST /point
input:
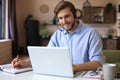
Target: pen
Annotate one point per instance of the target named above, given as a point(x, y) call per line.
point(17, 58)
point(95, 72)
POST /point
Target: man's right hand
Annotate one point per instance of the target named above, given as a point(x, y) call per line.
point(19, 63)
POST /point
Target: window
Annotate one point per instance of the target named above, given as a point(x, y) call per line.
point(2, 28)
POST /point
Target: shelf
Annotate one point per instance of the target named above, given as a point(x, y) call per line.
point(98, 15)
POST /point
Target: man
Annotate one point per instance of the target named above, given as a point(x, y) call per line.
point(84, 42)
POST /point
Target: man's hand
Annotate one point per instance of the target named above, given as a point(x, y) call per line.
point(75, 68)
point(93, 65)
point(18, 63)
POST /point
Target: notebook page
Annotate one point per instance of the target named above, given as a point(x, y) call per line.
point(93, 75)
point(10, 69)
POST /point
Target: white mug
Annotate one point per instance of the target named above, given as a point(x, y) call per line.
point(109, 71)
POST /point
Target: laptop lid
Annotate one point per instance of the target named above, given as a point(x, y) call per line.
point(51, 60)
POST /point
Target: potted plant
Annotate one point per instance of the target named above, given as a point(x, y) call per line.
point(43, 31)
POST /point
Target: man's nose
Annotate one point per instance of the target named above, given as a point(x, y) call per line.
point(64, 21)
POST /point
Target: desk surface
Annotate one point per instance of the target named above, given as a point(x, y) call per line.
point(31, 76)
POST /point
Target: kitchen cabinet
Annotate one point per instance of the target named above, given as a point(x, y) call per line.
point(98, 15)
point(111, 44)
point(104, 43)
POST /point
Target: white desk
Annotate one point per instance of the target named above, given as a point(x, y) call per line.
point(31, 76)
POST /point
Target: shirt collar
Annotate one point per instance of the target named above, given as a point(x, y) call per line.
point(77, 30)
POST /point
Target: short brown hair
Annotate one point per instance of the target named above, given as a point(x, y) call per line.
point(64, 4)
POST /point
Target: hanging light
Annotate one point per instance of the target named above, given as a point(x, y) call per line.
point(86, 4)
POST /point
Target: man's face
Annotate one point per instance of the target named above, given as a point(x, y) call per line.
point(66, 19)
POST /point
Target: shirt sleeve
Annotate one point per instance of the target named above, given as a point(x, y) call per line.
point(53, 41)
point(95, 47)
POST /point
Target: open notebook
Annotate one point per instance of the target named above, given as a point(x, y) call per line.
point(93, 75)
point(10, 69)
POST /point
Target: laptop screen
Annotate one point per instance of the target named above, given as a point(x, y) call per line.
point(51, 60)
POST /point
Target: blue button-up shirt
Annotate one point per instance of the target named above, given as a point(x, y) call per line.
point(85, 43)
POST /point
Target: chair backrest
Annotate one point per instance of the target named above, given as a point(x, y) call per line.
point(111, 56)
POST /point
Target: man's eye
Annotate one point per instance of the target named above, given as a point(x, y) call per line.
point(59, 18)
point(66, 16)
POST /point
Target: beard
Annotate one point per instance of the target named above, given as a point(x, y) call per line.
point(69, 26)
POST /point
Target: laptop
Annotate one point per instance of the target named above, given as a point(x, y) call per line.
point(51, 61)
